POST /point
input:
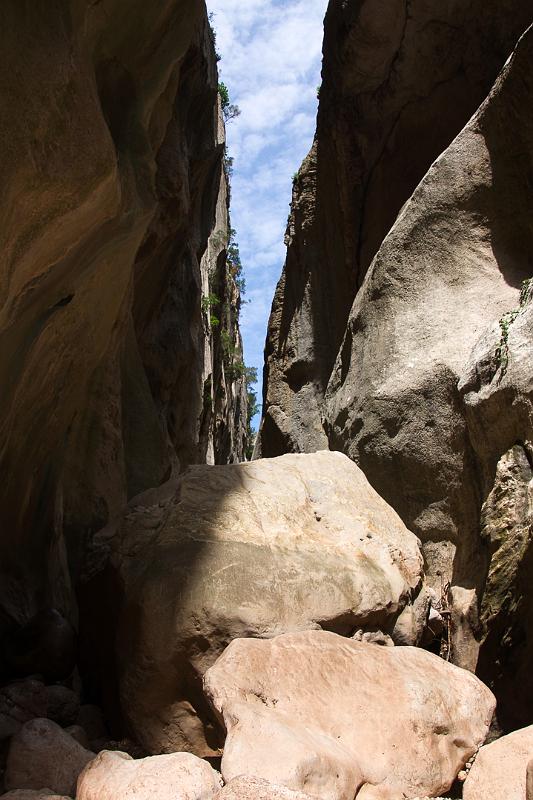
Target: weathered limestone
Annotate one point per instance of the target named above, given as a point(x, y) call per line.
point(393, 403)
point(497, 387)
point(400, 80)
point(254, 549)
point(337, 718)
point(177, 776)
point(500, 769)
point(42, 754)
point(112, 186)
point(246, 787)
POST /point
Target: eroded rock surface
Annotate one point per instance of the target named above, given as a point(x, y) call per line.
point(497, 387)
point(337, 719)
point(257, 549)
point(114, 227)
point(454, 262)
point(43, 754)
point(177, 776)
point(400, 80)
point(500, 768)
point(246, 787)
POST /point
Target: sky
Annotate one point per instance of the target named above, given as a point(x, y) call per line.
point(271, 59)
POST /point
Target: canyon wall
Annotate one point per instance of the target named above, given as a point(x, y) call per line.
point(409, 238)
point(116, 371)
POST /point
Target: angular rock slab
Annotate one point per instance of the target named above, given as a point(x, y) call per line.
point(501, 768)
point(257, 549)
point(338, 718)
point(177, 776)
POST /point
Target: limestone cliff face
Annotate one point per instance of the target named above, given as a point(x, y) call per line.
point(400, 80)
point(114, 231)
point(405, 246)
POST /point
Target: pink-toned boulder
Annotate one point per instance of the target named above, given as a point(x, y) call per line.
point(248, 788)
point(43, 754)
point(337, 718)
point(500, 769)
point(177, 776)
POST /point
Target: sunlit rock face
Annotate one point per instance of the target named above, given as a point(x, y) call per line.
point(393, 378)
point(452, 265)
point(400, 80)
point(294, 543)
point(114, 225)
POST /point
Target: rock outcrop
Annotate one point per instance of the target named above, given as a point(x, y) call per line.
point(497, 389)
point(177, 776)
point(114, 230)
point(500, 769)
point(255, 549)
point(383, 377)
point(42, 754)
point(340, 719)
point(393, 402)
point(400, 80)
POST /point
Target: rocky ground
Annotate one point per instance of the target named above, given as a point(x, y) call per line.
point(286, 662)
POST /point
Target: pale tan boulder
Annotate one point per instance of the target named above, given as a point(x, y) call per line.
point(176, 776)
point(246, 787)
point(337, 718)
point(258, 549)
point(500, 769)
point(42, 753)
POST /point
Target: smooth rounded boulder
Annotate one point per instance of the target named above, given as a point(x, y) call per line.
point(339, 719)
point(43, 754)
point(501, 768)
point(176, 776)
point(256, 549)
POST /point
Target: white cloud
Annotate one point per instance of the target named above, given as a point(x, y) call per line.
point(271, 58)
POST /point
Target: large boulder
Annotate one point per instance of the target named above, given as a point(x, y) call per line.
point(338, 718)
point(453, 263)
point(42, 754)
point(20, 702)
point(177, 776)
point(500, 769)
point(255, 549)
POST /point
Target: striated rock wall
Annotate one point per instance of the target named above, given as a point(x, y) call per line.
point(114, 223)
point(400, 80)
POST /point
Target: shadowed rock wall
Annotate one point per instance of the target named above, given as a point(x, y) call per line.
point(114, 224)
